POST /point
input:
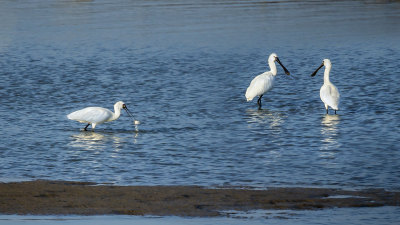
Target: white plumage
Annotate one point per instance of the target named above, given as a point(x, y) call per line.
point(260, 84)
point(97, 115)
point(328, 93)
point(265, 81)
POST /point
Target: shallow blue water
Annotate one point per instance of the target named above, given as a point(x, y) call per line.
point(352, 216)
point(182, 68)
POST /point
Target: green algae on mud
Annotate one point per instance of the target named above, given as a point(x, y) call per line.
point(84, 198)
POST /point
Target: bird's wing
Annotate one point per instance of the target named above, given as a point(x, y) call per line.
point(259, 85)
point(330, 95)
point(91, 115)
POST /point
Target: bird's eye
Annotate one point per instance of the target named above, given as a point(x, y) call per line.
point(123, 106)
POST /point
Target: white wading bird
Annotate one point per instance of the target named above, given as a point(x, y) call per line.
point(265, 81)
point(329, 93)
point(97, 115)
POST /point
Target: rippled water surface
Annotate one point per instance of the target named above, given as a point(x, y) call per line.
point(351, 216)
point(182, 68)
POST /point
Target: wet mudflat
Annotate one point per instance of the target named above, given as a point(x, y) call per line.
point(62, 197)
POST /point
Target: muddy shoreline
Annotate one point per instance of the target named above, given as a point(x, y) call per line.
point(80, 198)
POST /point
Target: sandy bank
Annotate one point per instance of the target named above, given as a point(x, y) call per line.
point(62, 197)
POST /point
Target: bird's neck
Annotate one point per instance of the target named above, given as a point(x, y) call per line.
point(273, 67)
point(326, 75)
point(117, 113)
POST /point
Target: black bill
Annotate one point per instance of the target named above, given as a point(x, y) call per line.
point(127, 111)
point(284, 68)
point(315, 72)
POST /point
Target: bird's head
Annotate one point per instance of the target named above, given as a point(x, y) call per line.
point(122, 105)
point(326, 63)
point(274, 58)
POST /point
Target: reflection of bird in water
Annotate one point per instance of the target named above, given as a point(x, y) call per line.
point(329, 131)
point(274, 119)
point(330, 123)
point(329, 93)
point(265, 81)
point(88, 141)
point(96, 140)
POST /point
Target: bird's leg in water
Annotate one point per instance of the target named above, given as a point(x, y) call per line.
point(259, 102)
point(326, 110)
point(86, 127)
point(335, 112)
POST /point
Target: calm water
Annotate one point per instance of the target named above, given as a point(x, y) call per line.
point(353, 216)
point(182, 67)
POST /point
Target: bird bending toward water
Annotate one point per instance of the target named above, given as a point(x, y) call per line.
point(97, 115)
point(265, 81)
point(329, 93)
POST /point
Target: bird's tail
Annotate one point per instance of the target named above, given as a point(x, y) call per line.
point(248, 97)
